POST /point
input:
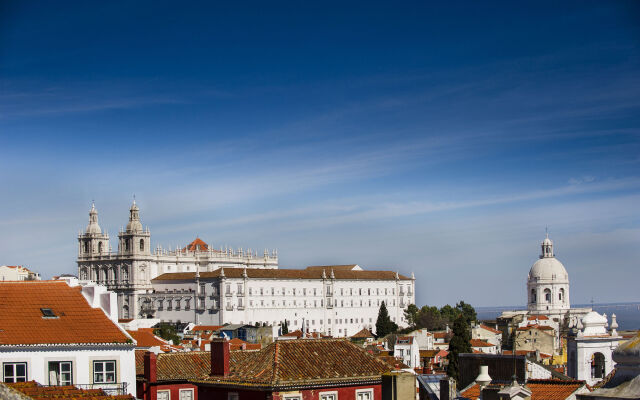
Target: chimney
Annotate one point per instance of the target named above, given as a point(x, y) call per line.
point(219, 356)
point(150, 374)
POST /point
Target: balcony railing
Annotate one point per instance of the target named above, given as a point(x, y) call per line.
point(111, 389)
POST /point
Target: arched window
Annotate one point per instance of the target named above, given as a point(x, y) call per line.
point(141, 244)
point(83, 274)
point(99, 247)
point(125, 312)
point(597, 365)
point(125, 274)
point(561, 295)
point(86, 246)
point(547, 295)
point(126, 244)
point(533, 296)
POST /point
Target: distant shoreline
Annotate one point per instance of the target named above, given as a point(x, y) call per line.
point(627, 313)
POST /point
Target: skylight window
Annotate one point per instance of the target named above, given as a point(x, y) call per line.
point(48, 313)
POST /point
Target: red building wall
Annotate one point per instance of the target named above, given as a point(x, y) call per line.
point(150, 392)
point(344, 393)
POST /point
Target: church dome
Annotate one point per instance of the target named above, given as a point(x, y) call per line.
point(549, 268)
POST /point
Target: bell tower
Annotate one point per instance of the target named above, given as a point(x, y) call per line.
point(93, 243)
point(134, 240)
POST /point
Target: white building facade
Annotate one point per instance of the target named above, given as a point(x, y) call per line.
point(334, 300)
point(130, 269)
point(17, 273)
point(590, 351)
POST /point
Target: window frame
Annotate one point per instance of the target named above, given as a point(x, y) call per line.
point(167, 391)
point(60, 382)
point(104, 371)
point(326, 395)
point(180, 391)
point(15, 376)
point(370, 391)
point(233, 396)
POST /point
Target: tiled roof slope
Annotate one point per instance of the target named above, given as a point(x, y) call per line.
point(199, 245)
point(327, 268)
point(283, 274)
point(480, 343)
point(490, 329)
point(37, 392)
point(76, 322)
point(364, 333)
point(144, 337)
point(541, 389)
point(283, 362)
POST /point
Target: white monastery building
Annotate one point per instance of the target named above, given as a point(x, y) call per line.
point(214, 287)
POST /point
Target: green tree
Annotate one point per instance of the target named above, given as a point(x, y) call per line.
point(167, 332)
point(460, 343)
point(429, 317)
point(285, 327)
point(411, 315)
point(467, 311)
point(384, 325)
point(449, 314)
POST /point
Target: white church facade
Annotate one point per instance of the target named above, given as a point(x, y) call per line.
point(199, 284)
point(547, 295)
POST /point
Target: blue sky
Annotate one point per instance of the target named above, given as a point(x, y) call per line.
point(414, 137)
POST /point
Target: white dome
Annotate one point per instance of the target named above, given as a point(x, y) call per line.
point(549, 268)
point(94, 228)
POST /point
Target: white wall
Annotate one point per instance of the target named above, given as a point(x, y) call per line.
point(82, 357)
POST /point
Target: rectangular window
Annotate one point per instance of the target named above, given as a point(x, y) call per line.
point(186, 394)
point(14, 372)
point(292, 397)
point(232, 396)
point(163, 395)
point(366, 394)
point(329, 396)
point(60, 373)
point(104, 371)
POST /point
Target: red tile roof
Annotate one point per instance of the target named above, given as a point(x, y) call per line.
point(211, 328)
point(239, 344)
point(480, 343)
point(37, 392)
point(197, 245)
point(538, 327)
point(282, 274)
point(284, 362)
point(363, 334)
point(75, 321)
point(440, 335)
point(490, 329)
point(144, 337)
point(541, 389)
point(537, 317)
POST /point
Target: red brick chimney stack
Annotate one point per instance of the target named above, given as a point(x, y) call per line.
point(219, 357)
point(150, 364)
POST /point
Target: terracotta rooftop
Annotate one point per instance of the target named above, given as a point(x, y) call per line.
point(537, 317)
point(197, 245)
point(490, 329)
point(480, 343)
point(282, 274)
point(281, 363)
point(327, 268)
point(210, 328)
point(429, 353)
point(392, 361)
point(22, 311)
point(536, 326)
point(144, 337)
point(363, 334)
point(37, 392)
point(541, 389)
point(239, 344)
